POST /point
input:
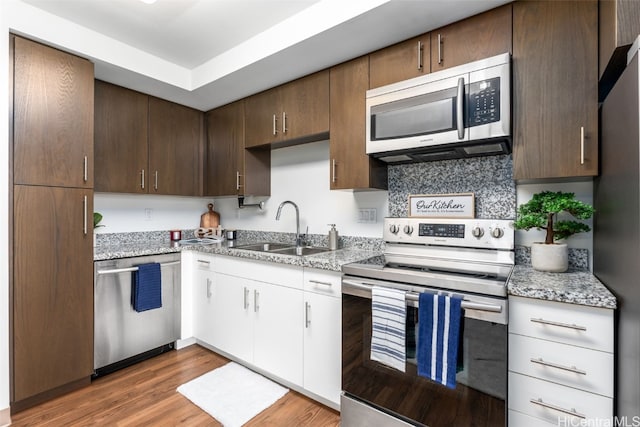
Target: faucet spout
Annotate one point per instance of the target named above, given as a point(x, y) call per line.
point(298, 240)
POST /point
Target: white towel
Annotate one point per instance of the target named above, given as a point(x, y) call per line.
point(388, 335)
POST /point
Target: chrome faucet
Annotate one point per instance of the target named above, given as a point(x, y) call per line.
point(298, 239)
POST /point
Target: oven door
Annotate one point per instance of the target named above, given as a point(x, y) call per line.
point(479, 397)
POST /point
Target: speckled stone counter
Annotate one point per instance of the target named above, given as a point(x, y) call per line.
point(574, 287)
point(332, 260)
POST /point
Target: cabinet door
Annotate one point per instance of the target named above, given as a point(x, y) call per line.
point(471, 39)
point(232, 316)
point(52, 288)
point(305, 106)
point(350, 166)
point(121, 122)
point(278, 330)
point(322, 345)
point(175, 148)
point(225, 148)
point(204, 300)
point(53, 117)
point(263, 118)
point(405, 60)
point(555, 89)
point(619, 25)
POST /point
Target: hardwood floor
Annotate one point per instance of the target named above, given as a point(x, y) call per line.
point(145, 395)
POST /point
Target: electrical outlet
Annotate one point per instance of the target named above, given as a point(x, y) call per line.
point(148, 214)
point(367, 215)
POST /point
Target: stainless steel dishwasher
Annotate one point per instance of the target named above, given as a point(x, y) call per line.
point(123, 336)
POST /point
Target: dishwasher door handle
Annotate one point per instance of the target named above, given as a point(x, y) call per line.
point(124, 270)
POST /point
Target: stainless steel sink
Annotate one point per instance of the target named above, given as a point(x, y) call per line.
point(283, 248)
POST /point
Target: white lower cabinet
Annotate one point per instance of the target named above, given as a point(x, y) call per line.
point(322, 334)
point(560, 363)
point(202, 295)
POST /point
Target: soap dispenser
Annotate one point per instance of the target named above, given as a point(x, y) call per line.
point(333, 237)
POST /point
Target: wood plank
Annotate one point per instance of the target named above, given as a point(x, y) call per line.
point(145, 394)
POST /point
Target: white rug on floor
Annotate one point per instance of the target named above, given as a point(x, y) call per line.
point(232, 394)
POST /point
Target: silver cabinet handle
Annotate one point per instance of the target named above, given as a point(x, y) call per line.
point(544, 404)
point(307, 320)
point(439, 48)
point(85, 214)
point(208, 288)
point(155, 185)
point(460, 108)
point(238, 180)
point(284, 122)
point(246, 298)
point(204, 262)
point(275, 126)
point(559, 324)
point(582, 145)
point(142, 179)
point(86, 169)
point(573, 369)
point(256, 300)
point(420, 49)
point(318, 282)
point(333, 170)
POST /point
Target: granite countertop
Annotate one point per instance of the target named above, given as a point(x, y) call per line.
point(574, 287)
point(331, 260)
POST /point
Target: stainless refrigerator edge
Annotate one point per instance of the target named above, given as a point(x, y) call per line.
point(616, 236)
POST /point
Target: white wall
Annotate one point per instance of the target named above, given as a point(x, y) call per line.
point(4, 219)
point(299, 174)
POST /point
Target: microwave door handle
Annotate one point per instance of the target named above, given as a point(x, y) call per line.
point(460, 108)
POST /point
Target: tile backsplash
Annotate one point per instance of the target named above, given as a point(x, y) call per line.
point(489, 178)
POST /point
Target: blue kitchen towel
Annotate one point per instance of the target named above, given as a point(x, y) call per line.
point(388, 320)
point(147, 287)
point(438, 337)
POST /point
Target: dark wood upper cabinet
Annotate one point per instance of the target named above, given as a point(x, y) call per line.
point(297, 111)
point(53, 117)
point(350, 166)
point(478, 37)
point(619, 27)
point(175, 149)
point(121, 124)
point(555, 89)
point(401, 61)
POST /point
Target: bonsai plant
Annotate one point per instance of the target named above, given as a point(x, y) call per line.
point(541, 212)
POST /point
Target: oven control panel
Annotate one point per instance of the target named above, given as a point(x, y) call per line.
point(474, 233)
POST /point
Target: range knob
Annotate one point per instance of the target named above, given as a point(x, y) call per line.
point(477, 232)
point(497, 232)
point(393, 228)
point(408, 229)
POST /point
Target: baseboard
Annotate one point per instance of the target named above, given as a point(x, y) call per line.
point(180, 344)
point(5, 417)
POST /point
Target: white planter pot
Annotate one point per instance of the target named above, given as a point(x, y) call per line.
point(552, 258)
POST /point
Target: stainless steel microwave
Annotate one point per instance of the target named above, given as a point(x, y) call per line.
point(463, 111)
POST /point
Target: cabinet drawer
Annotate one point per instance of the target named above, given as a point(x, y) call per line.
point(588, 370)
point(284, 275)
point(323, 282)
point(578, 325)
point(518, 419)
point(555, 402)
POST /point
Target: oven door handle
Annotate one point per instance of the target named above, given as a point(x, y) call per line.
point(413, 296)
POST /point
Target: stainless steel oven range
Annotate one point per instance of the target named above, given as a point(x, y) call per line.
point(468, 258)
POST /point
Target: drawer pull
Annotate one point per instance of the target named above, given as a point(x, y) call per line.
point(559, 324)
point(318, 282)
point(573, 369)
point(571, 411)
point(203, 262)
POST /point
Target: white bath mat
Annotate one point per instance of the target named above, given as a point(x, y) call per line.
point(232, 394)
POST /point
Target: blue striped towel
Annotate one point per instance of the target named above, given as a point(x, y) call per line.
point(388, 317)
point(147, 287)
point(438, 337)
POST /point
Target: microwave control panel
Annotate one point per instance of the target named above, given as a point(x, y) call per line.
point(483, 102)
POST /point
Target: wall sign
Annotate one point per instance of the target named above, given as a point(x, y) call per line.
point(460, 205)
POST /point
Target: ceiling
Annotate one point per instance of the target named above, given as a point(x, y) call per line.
point(206, 53)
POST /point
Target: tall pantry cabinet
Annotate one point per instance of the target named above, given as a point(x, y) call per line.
point(52, 228)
